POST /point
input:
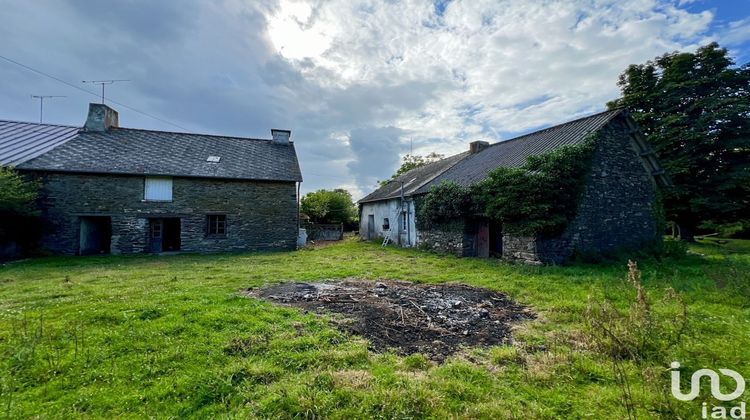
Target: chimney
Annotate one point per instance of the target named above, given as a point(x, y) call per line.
point(101, 118)
point(280, 136)
point(478, 146)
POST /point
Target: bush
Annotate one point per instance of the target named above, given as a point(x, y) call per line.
point(17, 195)
point(540, 197)
point(445, 203)
point(330, 206)
point(19, 221)
point(671, 248)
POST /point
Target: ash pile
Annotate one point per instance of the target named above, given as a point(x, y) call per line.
point(433, 319)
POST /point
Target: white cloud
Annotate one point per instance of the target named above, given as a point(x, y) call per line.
point(736, 33)
point(356, 81)
point(490, 62)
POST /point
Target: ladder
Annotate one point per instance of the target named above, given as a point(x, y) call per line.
point(387, 237)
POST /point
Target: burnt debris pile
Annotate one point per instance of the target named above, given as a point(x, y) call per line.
point(435, 319)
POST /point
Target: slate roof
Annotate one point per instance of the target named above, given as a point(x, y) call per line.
point(413, 179)
point(145, 152)
point(514, 152)
point(22, 141)
point(466, 169)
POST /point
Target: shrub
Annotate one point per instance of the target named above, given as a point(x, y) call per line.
point(445, 203)
point(18, 215)
point(670, 248)
point(541, 196)
point(17, 195)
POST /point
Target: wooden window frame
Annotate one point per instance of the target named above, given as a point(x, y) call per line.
point(216, 225)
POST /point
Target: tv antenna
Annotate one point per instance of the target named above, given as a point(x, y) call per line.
point(104, 83)
point(41, 103)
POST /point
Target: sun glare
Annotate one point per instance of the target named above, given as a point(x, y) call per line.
point(295, 35)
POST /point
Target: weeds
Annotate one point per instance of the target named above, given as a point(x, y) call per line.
point(643, 336)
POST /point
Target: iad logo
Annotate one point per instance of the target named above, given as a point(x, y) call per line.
point(717, 412)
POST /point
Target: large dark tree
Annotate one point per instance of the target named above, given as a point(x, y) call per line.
point(694, 109)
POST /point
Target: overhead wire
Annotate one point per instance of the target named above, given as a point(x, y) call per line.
point(98, 95)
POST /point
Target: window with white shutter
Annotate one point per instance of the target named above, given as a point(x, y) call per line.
point(158, 189)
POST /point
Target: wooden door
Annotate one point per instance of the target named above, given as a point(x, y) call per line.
point(483, 241)
point(371, 226)
point(156, 234)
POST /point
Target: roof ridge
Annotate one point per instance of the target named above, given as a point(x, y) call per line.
point(444, 170)
point(613, 111)
point(194, 134)
point(422, 167)
point(141, 129)
point(410, 173)
point(37, 123)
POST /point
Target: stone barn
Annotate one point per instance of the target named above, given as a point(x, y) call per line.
point(618, 207)
point(121, 190)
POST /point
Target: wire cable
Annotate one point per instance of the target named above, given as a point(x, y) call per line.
point(90, 92)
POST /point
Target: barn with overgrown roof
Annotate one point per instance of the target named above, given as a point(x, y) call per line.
point(613, 202)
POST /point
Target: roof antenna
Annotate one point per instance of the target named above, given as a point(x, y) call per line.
point(104, 82)
point(41, 103)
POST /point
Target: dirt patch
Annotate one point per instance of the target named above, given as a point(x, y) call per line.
point(411, 318)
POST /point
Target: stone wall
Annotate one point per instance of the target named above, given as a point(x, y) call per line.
point(616, 210)
point(260, 215)
point(448, 239)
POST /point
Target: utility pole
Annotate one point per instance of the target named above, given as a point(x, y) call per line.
point(41, 103)
point(103, 83)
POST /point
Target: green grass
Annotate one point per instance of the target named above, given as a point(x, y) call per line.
point(171, 336)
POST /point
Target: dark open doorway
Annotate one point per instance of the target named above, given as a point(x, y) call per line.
point(489, 239)
point(164, 234)
point(95, 235)
point(496, 239)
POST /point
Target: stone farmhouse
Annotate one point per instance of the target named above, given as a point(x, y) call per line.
point(617, 210)
point(121, 190)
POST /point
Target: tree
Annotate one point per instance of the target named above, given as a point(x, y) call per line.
point(694, 109)
point(18, 214)
point(412, 162)
point(329, 206)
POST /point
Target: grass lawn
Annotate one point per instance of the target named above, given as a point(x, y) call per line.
point(167, 336)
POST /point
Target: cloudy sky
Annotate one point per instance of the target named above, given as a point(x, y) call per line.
point(359, 83)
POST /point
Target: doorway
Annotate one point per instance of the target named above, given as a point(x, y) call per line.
point(371, 227)
point(164, 234)
point(95, 235)
point(496, 239)
point(483, 240)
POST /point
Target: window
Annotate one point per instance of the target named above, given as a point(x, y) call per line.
point(386, 224)
point(157, 189)
point(404, 221)
point(217, 225)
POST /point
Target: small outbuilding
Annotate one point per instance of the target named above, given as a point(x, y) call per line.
point(618, 207)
